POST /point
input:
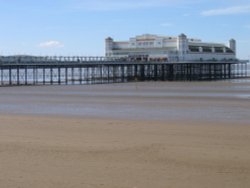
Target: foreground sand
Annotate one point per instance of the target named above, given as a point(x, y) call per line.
point(59, 152)
point(135, 135)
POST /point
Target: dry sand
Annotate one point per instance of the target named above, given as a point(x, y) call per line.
point(75, 148)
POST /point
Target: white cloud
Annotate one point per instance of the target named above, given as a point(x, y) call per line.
point(114, 5)
point(227, 11)
point(51, 44)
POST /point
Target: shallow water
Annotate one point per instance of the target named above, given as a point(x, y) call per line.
point(226, 101)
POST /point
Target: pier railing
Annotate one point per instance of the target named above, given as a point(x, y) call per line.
point(16, 71)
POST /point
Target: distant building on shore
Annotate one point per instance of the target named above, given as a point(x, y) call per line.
point(169, 48)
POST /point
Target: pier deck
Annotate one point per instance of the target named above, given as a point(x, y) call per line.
point(97, 70)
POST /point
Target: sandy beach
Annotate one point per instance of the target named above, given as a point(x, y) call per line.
point(132, 135)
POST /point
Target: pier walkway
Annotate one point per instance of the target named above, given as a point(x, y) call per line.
point(29, 70)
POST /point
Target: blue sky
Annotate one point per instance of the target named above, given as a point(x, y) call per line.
point(79, 27)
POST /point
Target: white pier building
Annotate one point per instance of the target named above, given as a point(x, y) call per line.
point(170, 48)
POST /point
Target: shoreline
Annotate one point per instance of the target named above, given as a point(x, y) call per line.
point(164, 101)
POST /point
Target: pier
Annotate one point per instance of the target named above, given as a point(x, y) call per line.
point(22, 70)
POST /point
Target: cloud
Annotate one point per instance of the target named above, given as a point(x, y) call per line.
point(51, 44)
point(116, 5)
point(227, 11)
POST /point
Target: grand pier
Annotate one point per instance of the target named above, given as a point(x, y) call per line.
point(29, 70)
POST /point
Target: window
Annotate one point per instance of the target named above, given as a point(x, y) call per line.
point(218, 50)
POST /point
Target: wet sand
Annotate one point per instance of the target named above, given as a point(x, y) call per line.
point(136, 135)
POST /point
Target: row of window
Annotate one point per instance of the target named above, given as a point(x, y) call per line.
point(148, 43)
point(209, 49)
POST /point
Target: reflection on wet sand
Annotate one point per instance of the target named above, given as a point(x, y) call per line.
point(208, 101)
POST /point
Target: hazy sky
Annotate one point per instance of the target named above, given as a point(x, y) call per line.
point(79, 27)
